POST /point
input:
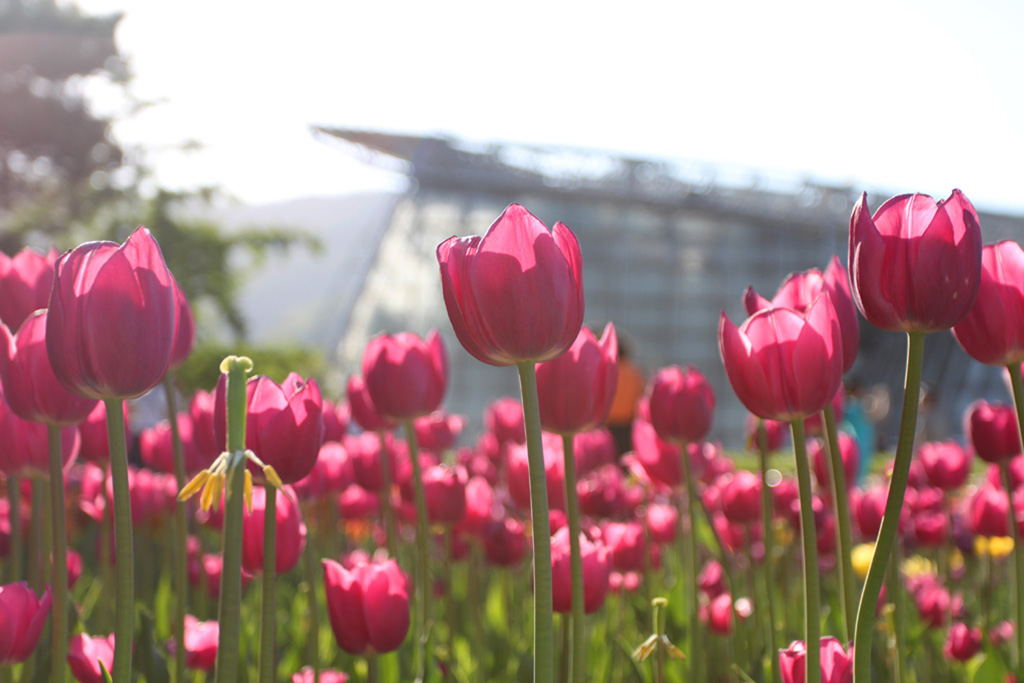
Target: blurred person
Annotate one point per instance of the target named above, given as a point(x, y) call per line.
point(632, 383)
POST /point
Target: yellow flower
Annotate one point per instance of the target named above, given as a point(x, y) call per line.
point(918, 566)
point(861, 558)
point(996, 546)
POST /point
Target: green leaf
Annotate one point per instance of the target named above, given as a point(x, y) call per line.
point(987, 670)
point(149, 660)
point(106, 674)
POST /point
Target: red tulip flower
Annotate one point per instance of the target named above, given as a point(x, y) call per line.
point(576, 389)
point(836, 663)
point(25, 283)
point(781, 364)
point(438, 431)
point(989, 512)
point(993, 330)
point(405, 375)
point(364, 412)
point(596, 570)
point(201, 411)
point(112, 318)
point(681, 404)
point(22, 616)
point(24, 445)
point(85, 654)
point(445, 490)
point(916, 264)
point(741, 497)
point(518, 473)
point(946, 464)
point(515, 294)
point(849, 453)
point(368, 606)
point(931, 528)
point(185, 335)
point(307, 675)
point(662, 522)
point(201, 638)
point(660, 459)
point(333, 472)
point(934, 603)
point(504, 419)
point(711, 579)
point(284, 427)
point(963, 642)
point(336, 419)
point(799, 291)
point(291, 532)
point(992, 431)
point(626, 545)
point(93, 431)
point(504, 542)
point(720, 614)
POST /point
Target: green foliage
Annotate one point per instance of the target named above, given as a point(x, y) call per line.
point(202, 369)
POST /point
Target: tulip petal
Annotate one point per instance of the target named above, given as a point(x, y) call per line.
point(386, 609)
point(345, 608)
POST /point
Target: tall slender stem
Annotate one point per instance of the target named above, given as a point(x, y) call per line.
point(890, 520)
point(268, 607)
point(14, 568)
point(1017, 385)
point(313, 637)
point(543, 625)
point(58, 520)
point(696, 653)
point(35, 536)
point(180, 553)
point(769, 547)
point(812, 608)
point(899, 613)
point(577, 661)
point(390, 528)
point(124, 621)
point(842, 509)
point(229, 608)
point(422, 569)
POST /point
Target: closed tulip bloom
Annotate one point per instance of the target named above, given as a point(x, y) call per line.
point(992, 431)
point(781, 364)
point(504, 542)
point(405, 375)
point(993, 330)
point(775, 432)
point(934, 604)
point(849, 452)
point(30, 387)
point(25, 283)
point(95, 447)
point(596, 570)
point(625, 543)
point(989, 512)
point(946, 464)
point(504, 419)
point(799, 290)
point(22, 616)
point(307, 675)
point(445, 490)
point(594, 448)
point(711, 579)
point(365, 452)
point(660, 459)
point(741, 497)
point(963, 642)
point(112, 318)
point(355, 502)
point(333, 472)
point(363, 411)
point(931, 529)
point(24, 445)
point(602, 493)
point(916, 264)
point(368, 606)
point(201, 412)
point(661, 522)
point(681, 404)
point(576, 389)
point(515, 294)
point(518, 473)
point(336, 419)
point(291, 532)
point(438, 431)
point(85, 653)
point(720, 614)
point(201, 638)
point(284, 427)
point(836, 663)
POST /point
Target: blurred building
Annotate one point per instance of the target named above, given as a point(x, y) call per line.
point(667, 246)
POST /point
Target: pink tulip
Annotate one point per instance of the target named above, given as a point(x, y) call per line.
point(336, 419)
point(30, 387)
point(576, 389)
point(185, 335)
point(518, 473)
point(112, 318)
point(363, 411)
point(916, 264)
point(515, 294)
point(626, 545)
point(849, 453)
point(720, 615)
point(201, 412)
point(504, 542)
point(201, 638)
point(946, 464)
point(307, 675)
point(993, 330)
point(445, 490)
point(934, 603)
point(963, 642)
point(596, 569)
point(798, 292)
point(775, 432)
point(992, 431)
point(332, 472)
point(438, 431)
point(836, 662)
point(85, 654)
point(781, 364)
point(291, 532)
point(931, 528)
point(22, 616)
point(741, 497)
point(504, 419)
point(681, 404)
point(355, 502)
point(25, 283)
point(405, 375)
point(284, 427)
point(593, 449)
point(989, 512)
point(25, 446)
point(711, 579)
point(602, 493)
point(157, 448)
point(662, 522)
point(660, 459)
point(479, 506)
point(368, 606)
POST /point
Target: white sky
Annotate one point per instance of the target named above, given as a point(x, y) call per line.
point(907, 95)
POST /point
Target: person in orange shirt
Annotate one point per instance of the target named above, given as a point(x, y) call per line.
point(629, 390)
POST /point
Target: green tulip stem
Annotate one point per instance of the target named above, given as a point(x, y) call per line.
point(180, 541)
point(543, 625)
point(809, 535)
point(17, 541)
point(841, 505)
point(268, 606)
point(313, 638)
point(124, 619)
point(690, 542)
point(893, 505)
point(390, 528)
point(578, 658)
point(768, 532)
point(899, 613)
point(229, 608)
point(59, 580)
point(372, 667)
point(422, 555)
point(1017, 385)
point(36, 576)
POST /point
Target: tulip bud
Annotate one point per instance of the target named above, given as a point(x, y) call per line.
point(85, 653)
point(596, 569)
point(405, 375)
point(291, 532)
point(576, 389)
point(681, 404)
point(26, 615)
point(25, 284)
point(963, 642)
point(992, 332)
point(992, 431)
point(504, 419)
point(836, 663)
point(368, 606)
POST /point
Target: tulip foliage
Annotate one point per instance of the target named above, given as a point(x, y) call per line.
point(377, 537)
